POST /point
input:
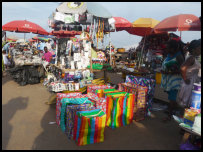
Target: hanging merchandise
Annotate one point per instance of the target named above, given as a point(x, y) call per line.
point(59, 16)
point(69, 18)
point(89, 127)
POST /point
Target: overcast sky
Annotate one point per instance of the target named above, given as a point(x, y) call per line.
point(38, 12)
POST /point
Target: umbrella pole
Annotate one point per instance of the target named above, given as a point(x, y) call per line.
point(142, 51)
point(180, 35)
point(110, 47)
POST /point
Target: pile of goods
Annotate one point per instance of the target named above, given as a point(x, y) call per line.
point(58, 81)
point(26, 75)
point(143, 89)
point(83, 117)
point(192, 115)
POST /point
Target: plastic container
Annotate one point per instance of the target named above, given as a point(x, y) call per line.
point(158, 77)
point(197, 87)
point(196, 100)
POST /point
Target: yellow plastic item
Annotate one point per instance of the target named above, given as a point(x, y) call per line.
point(158, 78)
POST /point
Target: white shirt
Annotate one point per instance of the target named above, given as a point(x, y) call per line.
point(48, 46)
point(6, 61)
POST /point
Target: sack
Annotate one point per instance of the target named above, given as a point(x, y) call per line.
point(93, 88)
point(119, 109)
point(69, 101)
point(70, 117)
point(99, 103)
point(89, 127)
point(59, 97)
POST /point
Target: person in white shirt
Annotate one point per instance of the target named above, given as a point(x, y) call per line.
point(48, 44)
point(5, 59)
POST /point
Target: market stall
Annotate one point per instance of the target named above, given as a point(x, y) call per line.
point(77, 34)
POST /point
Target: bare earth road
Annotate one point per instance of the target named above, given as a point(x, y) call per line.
point(26, 117)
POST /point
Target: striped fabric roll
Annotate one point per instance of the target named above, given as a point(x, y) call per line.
point(89, 127)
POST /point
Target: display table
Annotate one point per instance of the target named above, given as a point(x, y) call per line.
point(187, 134)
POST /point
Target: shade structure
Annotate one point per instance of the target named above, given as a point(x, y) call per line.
point(62, 33)
point(143, 26)
point(181, 22)
point(24, 26)
point(122, 23)
point(82, 7)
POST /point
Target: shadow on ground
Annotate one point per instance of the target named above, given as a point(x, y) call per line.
point(149, 134)
point(8, 111)
point(5, 78)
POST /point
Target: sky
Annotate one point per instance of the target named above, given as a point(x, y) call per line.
point(38, 12)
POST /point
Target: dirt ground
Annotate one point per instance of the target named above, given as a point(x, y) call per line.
point(26, 117)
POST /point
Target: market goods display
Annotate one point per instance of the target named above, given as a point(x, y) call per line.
point(59, 97)
point(89, 127)
point(119, 109)
point(197, 124)
point(93, 88)
point(70, 116)
point(70, 101)
point(189, 116)
point(140, 102)
point(99, 102)
point(145, 82)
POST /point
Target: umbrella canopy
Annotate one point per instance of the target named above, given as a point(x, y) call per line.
point(98, 10)
point(23, 26)
point(182, 22)
point(143, 26)
point(72, 7)
point(122, 23)
point(82, 7)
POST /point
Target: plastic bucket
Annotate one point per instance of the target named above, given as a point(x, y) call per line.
point(196, 99)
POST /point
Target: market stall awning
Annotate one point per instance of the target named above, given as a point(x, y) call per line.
point(182, 22)
point(24, 26)
point(122, 24)
point(143, 26)
point(62, 33)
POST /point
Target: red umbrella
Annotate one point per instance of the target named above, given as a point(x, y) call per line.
point(23, 26)
point(182, 22)
point(122, 23)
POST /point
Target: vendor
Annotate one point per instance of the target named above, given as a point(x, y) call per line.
point(171, 77)
point(189, 72)
point(47, 55)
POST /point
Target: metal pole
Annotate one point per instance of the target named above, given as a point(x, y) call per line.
point(142, 51)
point(56, 58)
point(110, 46)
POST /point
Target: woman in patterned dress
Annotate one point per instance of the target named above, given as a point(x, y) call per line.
point(171, 77)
